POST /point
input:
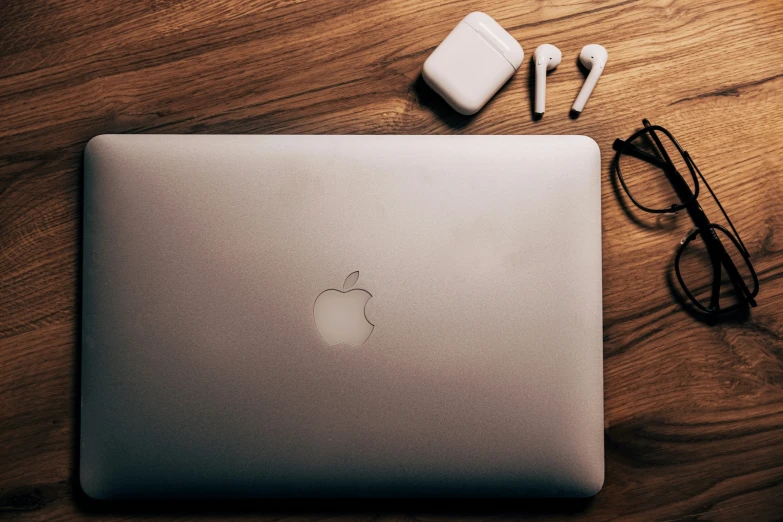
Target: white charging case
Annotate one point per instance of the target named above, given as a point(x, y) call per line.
point(472, 63)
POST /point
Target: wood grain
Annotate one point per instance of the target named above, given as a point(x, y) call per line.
point(694, 412)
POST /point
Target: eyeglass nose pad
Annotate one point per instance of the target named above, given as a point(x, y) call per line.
point(691, 232)
point(673, 211)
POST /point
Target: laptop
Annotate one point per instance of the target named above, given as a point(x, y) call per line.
point(341, 316)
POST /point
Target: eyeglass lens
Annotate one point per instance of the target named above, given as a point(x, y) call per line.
point(647, 181)
point(697, 270)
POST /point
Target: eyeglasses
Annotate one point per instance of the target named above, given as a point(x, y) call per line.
point(661, 178)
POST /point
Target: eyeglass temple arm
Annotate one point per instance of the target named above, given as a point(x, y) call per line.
point(715, 198)
point(666, 159)
point(719, 257)
point(633, 150)
point(717, 261)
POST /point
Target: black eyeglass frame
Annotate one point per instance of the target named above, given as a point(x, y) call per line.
point(631, 150)
point(749, 294)
point(704, 228)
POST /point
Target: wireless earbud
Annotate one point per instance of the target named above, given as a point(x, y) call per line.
point(593, 57)
point(546, 57)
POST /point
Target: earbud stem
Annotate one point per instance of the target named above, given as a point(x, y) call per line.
point(587, 88)
point(540, 102)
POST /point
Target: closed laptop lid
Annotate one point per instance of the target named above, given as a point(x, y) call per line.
point(341, 316)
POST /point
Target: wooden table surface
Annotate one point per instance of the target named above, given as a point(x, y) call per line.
point(694, 412)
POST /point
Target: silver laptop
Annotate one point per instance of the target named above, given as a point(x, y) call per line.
point(341, 316)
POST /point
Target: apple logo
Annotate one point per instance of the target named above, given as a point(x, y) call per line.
point(339, 314)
